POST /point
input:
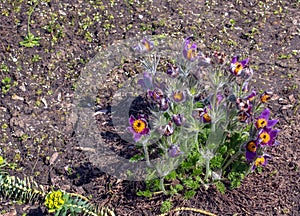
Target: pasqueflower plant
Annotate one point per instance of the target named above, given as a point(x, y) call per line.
point(212, 127)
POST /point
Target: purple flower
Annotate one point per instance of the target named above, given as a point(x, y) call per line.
point(243, 105)
point(164, 104)
point(251, 148)
point(174, 151)
point(167, 130)
point(260, 161)
point(201, 114)
point(178, 96)
point(172, 71)
point(219, 98)
point(144, 46)
point(267, 136)
point(243, 116)
point(178, 119)
point(146, 81)
point(263, 120)
point(237, 67)
point(138, 127)
point(189, 50)
point(156, 94)
point(251, 96)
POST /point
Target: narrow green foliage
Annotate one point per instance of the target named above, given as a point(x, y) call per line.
point(25, 191)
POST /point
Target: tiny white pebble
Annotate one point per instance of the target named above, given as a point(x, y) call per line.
point(141, 16)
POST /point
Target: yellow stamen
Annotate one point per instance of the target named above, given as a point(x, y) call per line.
point(264, 98)
point(138, 126)
point(178, 96)
point(206, 117)
point(238, 68)
point(265, 137)
point(147, 45)
point(261, 123)
point(191, 54)
point(251, 146)
point(259, 161)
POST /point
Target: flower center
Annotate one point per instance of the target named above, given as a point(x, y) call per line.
point(191, 54)
point(251, 146)
point(206, 117)
point(238, 68)
point(178, 96)
point(261, 123)
point(139, 125)
point(264, 98)
point(265, 137)
point(259, 161)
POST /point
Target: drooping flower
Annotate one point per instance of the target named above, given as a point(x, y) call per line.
point(144, 46)
point(174, 151)
point(146, 81)
point(243, 116)
point(178, 119)
point(167, 130)
point(236, 67)
point(138, 127)
point(172, 71)
point(178, 96)
point(266, 96)
point(189, 50)
point(251, 148)
point(260, 161)
point(251, 96)
point(263, 120)
point(267, 136)
point(164, 104)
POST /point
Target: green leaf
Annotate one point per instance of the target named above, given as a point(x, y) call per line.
point(166, 206)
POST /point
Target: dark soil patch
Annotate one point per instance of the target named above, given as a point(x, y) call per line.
point(37, 128)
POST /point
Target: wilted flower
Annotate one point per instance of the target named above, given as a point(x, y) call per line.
point(178, 96)
point(174, 151)
point(189, 50)
point(138, 127)
point(251, 96)
point(237, 67)
point(178, 119)
point(260, 161)
point(167, 130)
point(251, 148)
point(243, 116)
point(267, 136)
point(146, 81)
point(266, 96)
point(164, 104)
point(144, 46)
point(172, 71)
point(263, 120)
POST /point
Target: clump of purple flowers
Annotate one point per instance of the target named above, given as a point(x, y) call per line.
point(221, 125)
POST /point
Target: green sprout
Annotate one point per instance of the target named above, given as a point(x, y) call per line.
point(30, 40)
